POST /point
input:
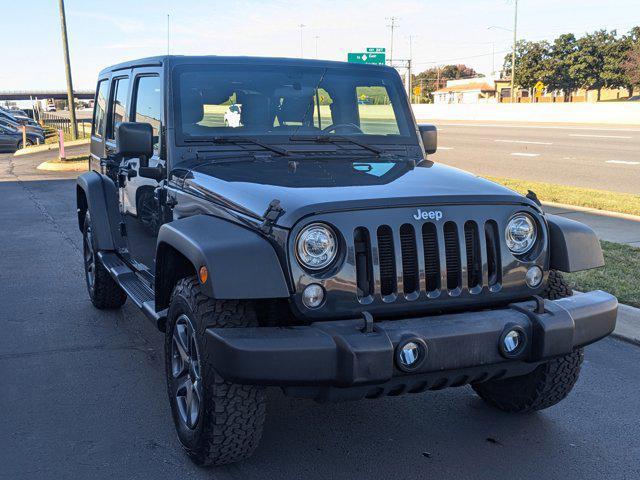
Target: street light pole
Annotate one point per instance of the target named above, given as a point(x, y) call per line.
point(67, 66)
point(513, 53)
point(301, 26)
point(317, 37)
point(392, 25)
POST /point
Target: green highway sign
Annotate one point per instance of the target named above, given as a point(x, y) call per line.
point(367, 57)
point(376, 50)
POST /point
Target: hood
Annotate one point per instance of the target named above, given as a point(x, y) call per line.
point(311, 186)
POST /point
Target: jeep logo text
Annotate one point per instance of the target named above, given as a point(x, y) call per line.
point(428, 215)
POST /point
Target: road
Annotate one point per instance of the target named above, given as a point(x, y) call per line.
point(600, 157)
point(83, 392)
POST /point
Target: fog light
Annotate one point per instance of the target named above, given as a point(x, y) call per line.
point(533, 276)
point(411, 354)
point(512, 341)
point(313, 296)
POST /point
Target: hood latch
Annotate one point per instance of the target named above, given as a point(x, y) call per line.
point(271, 215)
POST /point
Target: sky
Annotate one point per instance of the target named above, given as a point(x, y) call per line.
point(102, 33)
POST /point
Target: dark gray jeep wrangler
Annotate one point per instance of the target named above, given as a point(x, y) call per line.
point(279, 220)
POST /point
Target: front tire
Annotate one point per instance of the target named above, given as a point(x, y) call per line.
point(549, 383)
point(217, 422)
point(103, 290)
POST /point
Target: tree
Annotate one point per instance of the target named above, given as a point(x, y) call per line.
point(631, 62)
point(590, 58)
point(560, 78)
point(532, 63)
point(631, 67)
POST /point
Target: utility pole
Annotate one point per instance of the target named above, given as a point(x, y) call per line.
point(167, 34)
point(513, 54)
point(317, 37)
point(67, 65)
point(409, 85)
point(301, 26)
point(393, 26)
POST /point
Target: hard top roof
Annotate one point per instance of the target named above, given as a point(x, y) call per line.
point(215, 59)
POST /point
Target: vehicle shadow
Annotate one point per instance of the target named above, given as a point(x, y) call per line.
point(451, 433)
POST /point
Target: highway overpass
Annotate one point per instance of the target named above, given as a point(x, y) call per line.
point(42, 94)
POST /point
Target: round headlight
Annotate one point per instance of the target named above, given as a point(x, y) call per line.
point(521, 233)
point(316, 246)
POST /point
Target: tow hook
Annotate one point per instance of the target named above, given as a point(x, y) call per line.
point(539, 304)
point(368, 322)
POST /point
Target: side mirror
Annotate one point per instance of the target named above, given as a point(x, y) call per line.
point(134, 139)
point(429, 134)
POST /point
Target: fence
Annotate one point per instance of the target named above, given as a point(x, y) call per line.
point(58, 122)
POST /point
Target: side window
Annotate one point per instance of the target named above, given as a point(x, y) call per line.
point(100, 110)
point(119, 105)
point(148, 105)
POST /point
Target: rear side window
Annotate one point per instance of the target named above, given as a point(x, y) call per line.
point(148, 106)
point(100, 110)
point(119, 105)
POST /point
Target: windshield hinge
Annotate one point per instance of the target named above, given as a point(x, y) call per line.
point(271, 215)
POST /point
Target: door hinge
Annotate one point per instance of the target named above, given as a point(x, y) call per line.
point(271, 215)
point(123, 229)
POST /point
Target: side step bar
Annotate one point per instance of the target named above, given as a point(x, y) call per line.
point(138, 291)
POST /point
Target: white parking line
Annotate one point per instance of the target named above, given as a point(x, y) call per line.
point(518, 154)
point(597, 136)
point(622, 162)
point(445, 148)
point(523, 141)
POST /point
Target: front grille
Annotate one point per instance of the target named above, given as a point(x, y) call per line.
point(429, 257)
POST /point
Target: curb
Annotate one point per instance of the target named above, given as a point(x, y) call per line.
point(50, 146)
point(628, 324)
point(594, 211)
point(58, 166)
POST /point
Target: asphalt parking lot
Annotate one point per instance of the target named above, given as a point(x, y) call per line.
point(83, 392)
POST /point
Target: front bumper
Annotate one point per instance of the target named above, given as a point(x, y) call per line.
point(324, 358)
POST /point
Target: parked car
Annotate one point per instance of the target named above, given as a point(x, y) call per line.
point(18, 118)
point(32, 129)
point(320, 251)
point(11, 138)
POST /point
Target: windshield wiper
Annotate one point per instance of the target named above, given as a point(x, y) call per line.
point(235, 140)
point(335, 139)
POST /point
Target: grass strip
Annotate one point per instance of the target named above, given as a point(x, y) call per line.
point(620, 276)
point(581, 197)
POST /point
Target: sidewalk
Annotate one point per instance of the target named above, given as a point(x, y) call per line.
point(618, 228)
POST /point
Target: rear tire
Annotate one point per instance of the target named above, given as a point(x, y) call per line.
point(103, 290)
point(225, 425)
point(549, 383)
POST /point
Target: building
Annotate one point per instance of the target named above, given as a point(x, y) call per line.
point(467, 90)
point(498, 90)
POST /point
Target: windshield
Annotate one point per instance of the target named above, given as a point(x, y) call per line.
point(292, 101)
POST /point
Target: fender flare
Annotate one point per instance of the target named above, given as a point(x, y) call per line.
point(103, 213)
point(241, 263)
point(574, 246)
